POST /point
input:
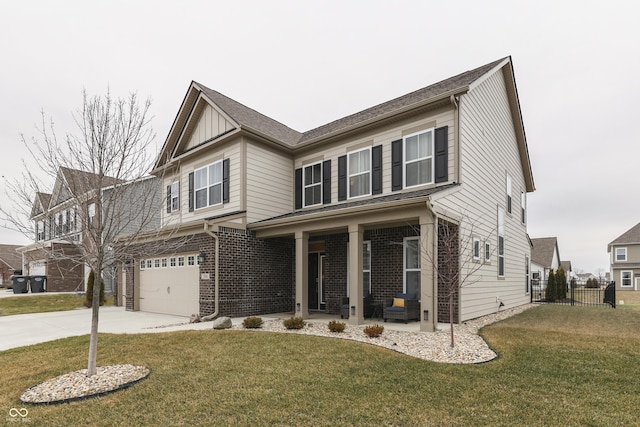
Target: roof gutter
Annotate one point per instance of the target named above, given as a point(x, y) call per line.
point(216, 298)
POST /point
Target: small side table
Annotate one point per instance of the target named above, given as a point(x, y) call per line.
point(377, 309)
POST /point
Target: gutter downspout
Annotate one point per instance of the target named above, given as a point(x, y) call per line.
point(215, 274)
point(456, 136)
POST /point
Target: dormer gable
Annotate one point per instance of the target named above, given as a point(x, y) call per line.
point(40, 204)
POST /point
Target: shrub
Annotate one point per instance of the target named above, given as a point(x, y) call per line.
point(592, 283)
point(574, 284)
point(252, 322)
point(294, 323)
point(88, 300)
point(551, 292)
point(374, 331)
point(335, 326)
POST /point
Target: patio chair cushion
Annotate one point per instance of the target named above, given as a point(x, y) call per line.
point(398, 302)
point(406, 296)
point(394, 309)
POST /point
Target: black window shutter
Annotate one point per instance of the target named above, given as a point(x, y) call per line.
point(298, 188)
point(326, 182)
point(168, 198)
point(396, 165)
point(225, 181)
point(441, 154)
point(342, 178)
point(191, 192)
point(376, 169)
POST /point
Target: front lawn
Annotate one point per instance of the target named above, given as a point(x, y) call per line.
point(43, 303)
point(558, 365)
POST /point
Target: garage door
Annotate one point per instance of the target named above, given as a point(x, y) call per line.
point(170, 285)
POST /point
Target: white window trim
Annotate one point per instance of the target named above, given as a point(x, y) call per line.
point(509, 198)
point(615, 255)
point(367, 243)
point(208, 186)
point(405, 270)
point(318, 184)
point(523, 207)
point(501, 256)
point(175, 195)
point(476, 245)
point(430, 158)
point(487, 253)
point(630, 285)
point(349, 175)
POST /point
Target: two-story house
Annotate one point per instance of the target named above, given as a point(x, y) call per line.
point(625, 259)
point(10, 262)
point(288, 221)
point(60, 219)
point(545, 256)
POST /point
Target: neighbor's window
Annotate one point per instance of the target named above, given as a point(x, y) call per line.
point(312, 184)
point(412, 265)
point(92, 213)
point(359, 165)
point(208, 185)
point(418, 158)
point(500, 243)
point(621, 254)
point(625, 278)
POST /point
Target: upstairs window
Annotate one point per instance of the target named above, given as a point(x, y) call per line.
point(208, 185)
point(487, 252)
point(312, 184)
point(501, 248)
point(621, 254)
point(509, 199)
point(91, 210)
point(523, 207)
point(418, 158)
point(359, 173)
point(476, 249)
point(173, 197)
point(40, 231)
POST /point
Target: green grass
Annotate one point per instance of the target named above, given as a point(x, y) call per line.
point(558, 365)
point(43, 303)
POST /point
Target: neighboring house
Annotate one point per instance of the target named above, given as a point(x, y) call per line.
point(10, 261)
point(288, 221)
point(582, 278)
point(60, 219)
point(625, 259)
point(545, 257)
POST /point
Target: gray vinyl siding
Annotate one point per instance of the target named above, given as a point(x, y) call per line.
point(270, 183)
point(136, 207)
point(489, 151)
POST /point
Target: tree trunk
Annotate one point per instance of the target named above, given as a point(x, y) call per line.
point(451, 317)
point(93, 343)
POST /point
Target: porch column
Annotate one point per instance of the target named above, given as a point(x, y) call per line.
point(428, 273)
point(356, 233)
point(302, 276)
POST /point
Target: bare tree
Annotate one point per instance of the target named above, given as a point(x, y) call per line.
point(457, 262)
point(104, 166)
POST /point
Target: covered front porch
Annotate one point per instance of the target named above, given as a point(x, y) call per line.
point(359, 251)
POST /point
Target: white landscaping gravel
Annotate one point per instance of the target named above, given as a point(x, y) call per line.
point(434, 346)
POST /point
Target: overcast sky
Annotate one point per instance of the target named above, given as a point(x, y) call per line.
point(306, 63)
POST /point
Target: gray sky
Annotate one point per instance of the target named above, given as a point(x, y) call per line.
point(306, 63)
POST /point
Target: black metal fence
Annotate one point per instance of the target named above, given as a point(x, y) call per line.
point(591, 293)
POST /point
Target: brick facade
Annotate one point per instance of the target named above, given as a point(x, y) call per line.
point(448, 261)
point(63, 273)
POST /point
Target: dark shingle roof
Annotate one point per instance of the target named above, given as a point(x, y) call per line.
point(251, 119)
point(451, 84)
point(542, 251)
point(566, 266)
point(10, 257)
point(81, 182)
point(632, 235)
point(364, 202)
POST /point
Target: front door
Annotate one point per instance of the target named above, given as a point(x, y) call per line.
point(314, 282)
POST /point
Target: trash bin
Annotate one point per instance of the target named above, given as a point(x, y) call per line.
point(20, 284)
point(37, 283)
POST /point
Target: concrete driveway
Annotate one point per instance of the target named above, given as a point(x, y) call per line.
point(27, 329)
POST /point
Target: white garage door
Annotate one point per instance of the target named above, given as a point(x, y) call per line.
point(37, 268)
point(170, 285)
